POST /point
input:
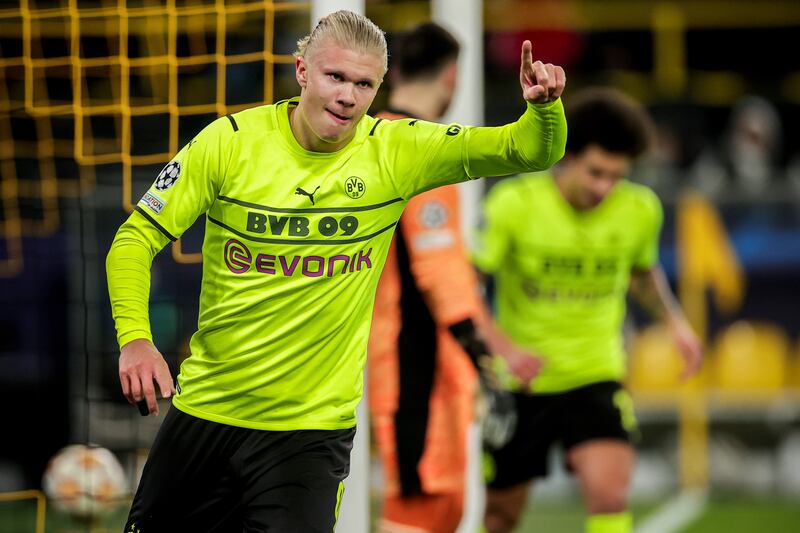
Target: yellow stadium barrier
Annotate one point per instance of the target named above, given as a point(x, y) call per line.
point(750, 361)
point(655, 365)
point(793, 378)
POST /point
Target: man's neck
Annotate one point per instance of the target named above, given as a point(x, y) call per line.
point(305, 135)
point(563, 188)
point(418, 99)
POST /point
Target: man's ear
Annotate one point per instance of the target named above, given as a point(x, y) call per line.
point(449, 76)
point(301, 71)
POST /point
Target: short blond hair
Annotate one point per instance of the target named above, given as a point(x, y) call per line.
point(349, 30)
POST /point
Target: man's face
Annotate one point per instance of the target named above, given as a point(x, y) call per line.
point(592, 174)
point(337, 87)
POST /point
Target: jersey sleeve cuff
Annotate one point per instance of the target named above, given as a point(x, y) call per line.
point(548, 106)
point(125, 338)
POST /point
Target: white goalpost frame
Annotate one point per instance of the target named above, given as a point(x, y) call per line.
point(464, 19)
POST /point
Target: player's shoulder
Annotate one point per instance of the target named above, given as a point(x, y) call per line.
point(521, 187)
point(254, 119)
point(386, 126)
point(639, 196)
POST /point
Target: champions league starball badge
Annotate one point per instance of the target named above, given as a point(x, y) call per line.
point(168, 176)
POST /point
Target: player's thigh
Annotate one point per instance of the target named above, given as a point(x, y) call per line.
point(599, 431)
point(604, 468)
point(188, 479)
point(303, 488)
point(603, 462)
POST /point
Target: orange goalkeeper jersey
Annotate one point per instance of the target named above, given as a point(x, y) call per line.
point(421, 383)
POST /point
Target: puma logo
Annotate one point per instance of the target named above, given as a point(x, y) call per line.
point(310, 195)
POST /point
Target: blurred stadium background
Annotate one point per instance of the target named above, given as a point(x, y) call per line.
point(96, 95)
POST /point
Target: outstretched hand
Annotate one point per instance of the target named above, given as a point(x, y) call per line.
point(510, 362)
point(541, 82)
point(689, 346)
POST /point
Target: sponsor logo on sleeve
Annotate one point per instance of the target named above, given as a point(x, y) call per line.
point(153, 202)
point(168, 176)
point(433, 240)
point(433, 215)
point(453, 130)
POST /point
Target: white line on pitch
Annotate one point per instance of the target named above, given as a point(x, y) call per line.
point(676, 513)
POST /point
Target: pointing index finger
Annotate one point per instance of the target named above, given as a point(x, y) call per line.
point(527, 53)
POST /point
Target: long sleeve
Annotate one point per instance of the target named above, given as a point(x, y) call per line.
point(424, 155)
point(185, 188)
point(128, 272)
point(536, 141)
point(437, 257)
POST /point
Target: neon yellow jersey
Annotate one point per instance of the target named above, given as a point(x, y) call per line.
point(294, 245)
point(562, 275)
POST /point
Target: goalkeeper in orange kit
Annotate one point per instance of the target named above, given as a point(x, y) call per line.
point(426, 338)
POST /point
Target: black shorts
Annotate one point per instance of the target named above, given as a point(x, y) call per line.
point(596, 411)
point(210, 477)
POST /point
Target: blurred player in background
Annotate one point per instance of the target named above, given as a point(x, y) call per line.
point(301, 199)
point(428, 327)
point(565, 248)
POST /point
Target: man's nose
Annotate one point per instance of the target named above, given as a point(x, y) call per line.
point(346, 95)
point(603, 188)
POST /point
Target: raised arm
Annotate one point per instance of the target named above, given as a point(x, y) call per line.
point(424, 155)
point(543, 121)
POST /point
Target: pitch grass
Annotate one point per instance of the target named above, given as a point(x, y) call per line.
point(565, 516)
point(724, 514)
point(736, 515)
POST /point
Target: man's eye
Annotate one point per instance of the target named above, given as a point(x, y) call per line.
point(336, 77)
point(364, 84)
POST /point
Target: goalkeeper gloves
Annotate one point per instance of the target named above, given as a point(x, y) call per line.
point(499, 421)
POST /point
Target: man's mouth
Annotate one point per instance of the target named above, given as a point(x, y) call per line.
point(339, 118)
